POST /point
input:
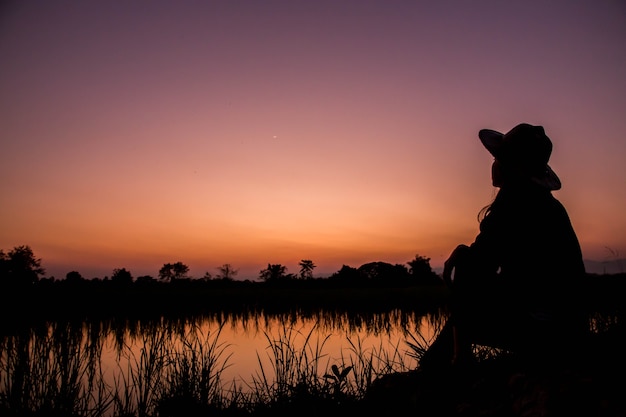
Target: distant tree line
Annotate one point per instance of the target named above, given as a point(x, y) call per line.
point(20, 269)
point(373, 286)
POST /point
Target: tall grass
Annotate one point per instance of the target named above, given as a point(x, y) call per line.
point(136, 389)
point(57, 370)
point(303, 373)
point(194, 373)
point(52, 371)
point(294, 370)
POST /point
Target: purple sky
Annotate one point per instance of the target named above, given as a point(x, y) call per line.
point(137, 133)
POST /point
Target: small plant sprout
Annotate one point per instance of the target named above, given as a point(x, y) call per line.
point(338, 378)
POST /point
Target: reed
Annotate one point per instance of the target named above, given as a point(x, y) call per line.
point(164, 368)
point(295, 370)
point(55, 371)
point(193, 375)
point(305, 377)
point(136, 390)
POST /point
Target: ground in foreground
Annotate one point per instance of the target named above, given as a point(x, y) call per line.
point(588, 381)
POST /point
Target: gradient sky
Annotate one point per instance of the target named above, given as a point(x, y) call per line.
point(136, 133)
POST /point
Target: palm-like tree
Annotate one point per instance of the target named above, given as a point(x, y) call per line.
point(306, 268)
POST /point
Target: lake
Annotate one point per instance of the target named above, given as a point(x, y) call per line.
point(117, 365)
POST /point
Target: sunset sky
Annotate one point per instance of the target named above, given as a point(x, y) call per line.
point(136, 133)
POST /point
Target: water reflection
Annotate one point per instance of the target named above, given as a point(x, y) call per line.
point(123, 366)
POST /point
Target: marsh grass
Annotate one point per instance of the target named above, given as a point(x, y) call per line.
point(294, 358)
point(370, 363)
point(52, 371)
point(162, 369)
point(170, 372)
point(136, 390)
point(297, 375)
point(56, 370)
point(193, 375)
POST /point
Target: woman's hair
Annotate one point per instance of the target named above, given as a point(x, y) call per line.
point(512, 196)
point(483, 212)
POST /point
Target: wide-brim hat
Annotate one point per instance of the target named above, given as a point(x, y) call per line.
point(525, 149)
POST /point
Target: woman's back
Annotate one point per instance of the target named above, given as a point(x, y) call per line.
point(527, 233)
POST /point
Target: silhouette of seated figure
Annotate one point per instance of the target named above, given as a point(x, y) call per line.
point(516, 286)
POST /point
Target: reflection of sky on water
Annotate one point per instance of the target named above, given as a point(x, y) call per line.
point(133, 360)
point(245, 344)
point(337, 345)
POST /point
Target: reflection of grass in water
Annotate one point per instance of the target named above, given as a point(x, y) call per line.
point(136, 389)
point(170, 371)
point(295, 369)
point(52, 370)
point(296, 361)
point(56, 370)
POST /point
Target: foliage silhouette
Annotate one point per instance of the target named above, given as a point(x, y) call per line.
point(171, 272)
point(226, 272)
point(19, 268)
point(122, 276)
point(273, 273)
point(306, 268)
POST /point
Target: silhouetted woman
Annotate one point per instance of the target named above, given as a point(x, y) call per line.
point(516, 286)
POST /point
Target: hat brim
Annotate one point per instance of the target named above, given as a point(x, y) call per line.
point(492, 141)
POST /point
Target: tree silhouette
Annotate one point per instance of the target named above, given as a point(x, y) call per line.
point(172, 272)
point(383, 272)
point(273, 272)
point(226, 272)
point(19, 268)
point(121, 276)
point(346, 275)
point(421, 271)
point(73, 277)
point(145, 279)
point(306, 268)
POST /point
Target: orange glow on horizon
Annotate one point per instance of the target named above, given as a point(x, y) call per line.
point(227, 133)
